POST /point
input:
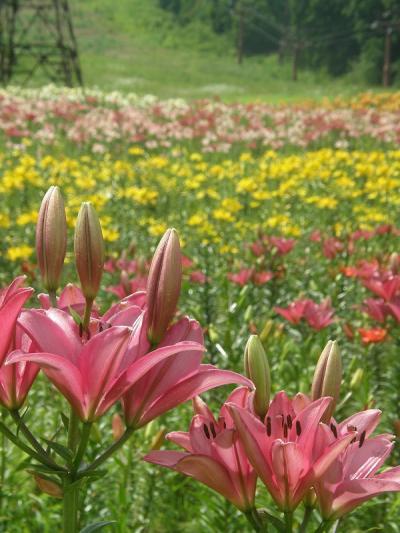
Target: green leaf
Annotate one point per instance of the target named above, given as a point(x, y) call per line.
point(60, 450)
point(65, 421)
point(96, 527)
point(77, 318)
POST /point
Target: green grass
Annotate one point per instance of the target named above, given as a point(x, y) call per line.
point(133, 45)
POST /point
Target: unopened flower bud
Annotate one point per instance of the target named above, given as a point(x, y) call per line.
point(89, 250)
point(164, 285)
point(394, 263)
point(257, 369)
point(266, 331)
point(126, 285)
point(328, 377)
point(118, 427)
point(357, 378)
point(48, 486)
point(158, 439)
point(51, 238)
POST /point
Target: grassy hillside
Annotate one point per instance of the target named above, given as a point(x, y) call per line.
point(134, 45)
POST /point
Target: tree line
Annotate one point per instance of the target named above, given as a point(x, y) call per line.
point(334, 35)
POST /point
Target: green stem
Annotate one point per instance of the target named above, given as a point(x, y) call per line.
point(53, 298)
point(86, 428)
point(324, 526)
point(108, 452)
point(86, 315)
point(73, 431)
point(308, 511)
point(253, 519)
point(70, 507)
point(289, 521)
point(27, 433)
point(24, 447)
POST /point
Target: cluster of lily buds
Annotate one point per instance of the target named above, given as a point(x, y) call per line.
point(136, 352)
point(293, 445)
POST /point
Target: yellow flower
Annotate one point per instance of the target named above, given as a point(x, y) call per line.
point(27, 218)
point(16, 253)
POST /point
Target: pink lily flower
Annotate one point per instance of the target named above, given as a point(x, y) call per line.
point(242, 277)
point(352, 478)
point(12, 298)
point(384, 288)
point(16, 381)
point(175, 380)
point(319, 316)
point(376, 309)
point(71, 296)
point(282, 449)
point(331, 247)
point(283, 246)
point(93, 375)
point(213, 453)
point(294, 312)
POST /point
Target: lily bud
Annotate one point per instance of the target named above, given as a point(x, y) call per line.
point(394, 263)
point(48, 486)
point(357, 378)
point(328, 377)
point(158, 440)
point(118, 427)
point(51, 238)
point(89, 250)
point(164, 285)
point(257, 369)
point(267, 330)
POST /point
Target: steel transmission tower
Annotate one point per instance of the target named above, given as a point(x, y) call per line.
point(37, 41)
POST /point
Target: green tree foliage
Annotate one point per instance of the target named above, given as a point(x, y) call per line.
point(334, 35)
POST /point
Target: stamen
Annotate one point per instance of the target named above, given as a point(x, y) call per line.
point(80, 329)
point(269, 428)
point(285, 431)
point(362, 439)
point(298, 428)
point(289, 421)
point(206, 431)
point(224, 425)
point(351, 428)
point(353, 440)
point(100, 327)
point(214, 434)
point(334, 430)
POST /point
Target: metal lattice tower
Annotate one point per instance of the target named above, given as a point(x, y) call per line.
point(37, 41)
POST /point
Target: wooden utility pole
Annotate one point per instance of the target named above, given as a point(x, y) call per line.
point(295, 62)
point(240, 32)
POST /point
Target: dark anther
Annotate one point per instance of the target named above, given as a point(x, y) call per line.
point(334, 430)
point(206, 431)
point(80, 329)
point(351, 428)
point(285, 431)
point(214, 434)
point(362, 439)
point(269, 426)
point(289, 421)
point(353, 440)
point(224, 425)
point(100, 327)
point(298, 428)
